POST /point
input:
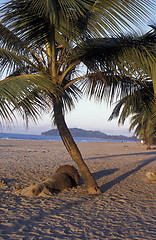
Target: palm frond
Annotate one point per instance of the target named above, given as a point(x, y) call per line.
point(10, 60)
point(70, 96)
point(141, 98)
point(28, 94)
point(102, 86)
point(124, 54)
point(33, 105)
point(142, 108)
point(42, 42)
point(27, 82)
point(118, 16)
point(11, 41)
point(73, 18)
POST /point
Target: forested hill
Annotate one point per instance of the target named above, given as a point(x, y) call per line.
point(77, 132)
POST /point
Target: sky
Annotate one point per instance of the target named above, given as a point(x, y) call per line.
point(87, 115)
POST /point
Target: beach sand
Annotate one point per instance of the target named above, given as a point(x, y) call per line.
point(125, 210)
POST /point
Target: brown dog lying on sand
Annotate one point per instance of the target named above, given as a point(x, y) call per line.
point(65, 177)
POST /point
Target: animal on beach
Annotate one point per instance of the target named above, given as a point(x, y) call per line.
point(65, 177)
point(70, 171)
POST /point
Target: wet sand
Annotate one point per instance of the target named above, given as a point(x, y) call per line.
point(125, 210)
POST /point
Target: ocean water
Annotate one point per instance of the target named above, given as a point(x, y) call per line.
point(52, 138)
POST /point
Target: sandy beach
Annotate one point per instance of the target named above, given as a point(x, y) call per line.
point(125, 210)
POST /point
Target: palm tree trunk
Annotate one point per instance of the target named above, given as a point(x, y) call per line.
point(147, 141)
point(73, 150)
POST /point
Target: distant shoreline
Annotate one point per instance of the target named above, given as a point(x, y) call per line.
point(78, 132)
point(14, 136)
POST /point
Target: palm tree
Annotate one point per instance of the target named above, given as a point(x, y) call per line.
point(141, 107)
point(44, 44)
point(145, 127)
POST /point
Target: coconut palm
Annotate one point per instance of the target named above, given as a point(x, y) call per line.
point(145, 127)
point(45, 44)
point(141, 107)
point(151, 36)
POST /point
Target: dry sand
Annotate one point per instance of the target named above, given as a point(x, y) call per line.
point(125, 210)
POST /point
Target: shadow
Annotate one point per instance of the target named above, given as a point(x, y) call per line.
point(119, 155)
point(100, 174)
point(103, 173)
point(122, 177)
point(8, 181)
point(7, 146)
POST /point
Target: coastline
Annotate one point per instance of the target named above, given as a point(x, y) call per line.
point(15, 136)
point(125, 210)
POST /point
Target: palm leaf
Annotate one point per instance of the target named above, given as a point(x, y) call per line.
point(141, 98)
point(116, 53)
point(72, 18)
point(11, 41)
point(109, 61)
point(26, 94)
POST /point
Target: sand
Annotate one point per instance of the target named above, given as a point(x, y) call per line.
point(125, 210)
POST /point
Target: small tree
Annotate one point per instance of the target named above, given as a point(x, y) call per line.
point(43, 46)
point(140, 105)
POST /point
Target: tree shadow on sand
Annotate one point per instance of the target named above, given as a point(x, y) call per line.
point(104, 173)
point(119, 155)
point(100, 174)
point(122, 177)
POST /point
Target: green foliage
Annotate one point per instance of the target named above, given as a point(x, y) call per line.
point(141, 107)
point(44, 44)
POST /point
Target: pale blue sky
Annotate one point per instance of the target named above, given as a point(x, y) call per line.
point(87, 115)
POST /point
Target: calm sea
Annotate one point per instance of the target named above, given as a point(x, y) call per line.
point(53, 138)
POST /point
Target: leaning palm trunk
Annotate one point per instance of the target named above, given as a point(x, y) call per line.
point(73, 150)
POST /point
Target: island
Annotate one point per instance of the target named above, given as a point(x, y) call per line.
point(78, 132)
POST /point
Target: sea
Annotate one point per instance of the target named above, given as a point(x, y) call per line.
point(54, 138)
